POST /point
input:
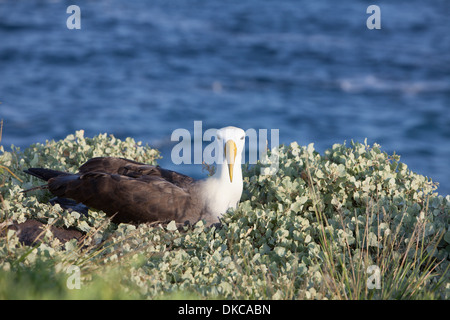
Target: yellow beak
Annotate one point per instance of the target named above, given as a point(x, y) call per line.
point(230, 154)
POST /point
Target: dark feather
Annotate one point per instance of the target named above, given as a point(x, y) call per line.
point(129, 191)
point(44, 174)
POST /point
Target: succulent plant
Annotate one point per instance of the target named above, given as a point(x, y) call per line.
point(309, 232)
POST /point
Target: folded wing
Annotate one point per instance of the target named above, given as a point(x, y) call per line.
point(126, 199)
point(126, 190)
point(133, 169)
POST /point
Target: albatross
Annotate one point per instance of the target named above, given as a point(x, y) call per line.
point(133, 192)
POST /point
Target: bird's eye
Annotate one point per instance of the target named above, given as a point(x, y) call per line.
point(219, 137)
point(243, 137)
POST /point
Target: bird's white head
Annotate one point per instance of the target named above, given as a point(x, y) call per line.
point(232, 141)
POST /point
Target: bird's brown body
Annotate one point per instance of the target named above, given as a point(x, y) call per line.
point(130, 191)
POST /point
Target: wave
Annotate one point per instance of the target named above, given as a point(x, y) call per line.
point(371, 83)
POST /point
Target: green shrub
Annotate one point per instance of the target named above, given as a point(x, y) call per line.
point(308, 232)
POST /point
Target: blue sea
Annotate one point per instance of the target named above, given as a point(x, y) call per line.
point(311, 69)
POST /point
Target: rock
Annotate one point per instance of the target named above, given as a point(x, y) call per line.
point(31, 231)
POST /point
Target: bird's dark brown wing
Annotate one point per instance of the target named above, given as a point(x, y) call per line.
point(133, 169)
point(106, 164)
point(147, 198)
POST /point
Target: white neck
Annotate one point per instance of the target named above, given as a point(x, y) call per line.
point(221, 192)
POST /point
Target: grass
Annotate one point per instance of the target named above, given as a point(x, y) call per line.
point(392, 272)
point(402, 273)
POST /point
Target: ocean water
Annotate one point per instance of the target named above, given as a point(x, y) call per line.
point(311, 69)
